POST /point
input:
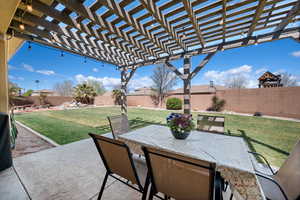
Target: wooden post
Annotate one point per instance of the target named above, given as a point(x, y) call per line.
point(187, 76)
point(123, 91)
point(4, 104)
point(186, 84)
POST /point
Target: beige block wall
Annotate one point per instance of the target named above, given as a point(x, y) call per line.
point(283, 102)
point(52, 100)
point(104, 101)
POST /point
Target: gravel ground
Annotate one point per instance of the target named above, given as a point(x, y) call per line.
point(28, 142)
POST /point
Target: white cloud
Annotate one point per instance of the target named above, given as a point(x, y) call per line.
point(296, 53)
point(46, 72)
point(18, 78)
point(110, 82)
point(95, 69)
point(220, 77)
point(28, 67)
point(260, 71)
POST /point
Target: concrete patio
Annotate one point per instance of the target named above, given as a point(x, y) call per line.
point(73, 171)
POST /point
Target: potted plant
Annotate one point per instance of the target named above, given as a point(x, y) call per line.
point(180, 125)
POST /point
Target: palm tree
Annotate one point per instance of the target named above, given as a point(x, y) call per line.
point(84, 93)
point(117, 94)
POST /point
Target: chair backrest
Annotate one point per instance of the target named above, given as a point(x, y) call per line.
point(119, 124)
point(116, 157)
point(288, 175)
point(214, 124)
point(180, 177)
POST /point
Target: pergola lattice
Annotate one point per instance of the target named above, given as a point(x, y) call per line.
point(134, 33)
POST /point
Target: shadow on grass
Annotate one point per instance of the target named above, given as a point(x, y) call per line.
point(251, 141)
point(133, 123)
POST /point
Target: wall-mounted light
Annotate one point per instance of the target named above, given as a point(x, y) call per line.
point(29, 6)
point(22, 26)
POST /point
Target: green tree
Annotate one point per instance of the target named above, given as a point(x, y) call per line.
point(97, 85)
point(13, 91)
point(84, 93)
point(28, 93)
point(117, 96)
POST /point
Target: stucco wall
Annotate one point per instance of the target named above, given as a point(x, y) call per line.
point(284, 102)
point(52, 100)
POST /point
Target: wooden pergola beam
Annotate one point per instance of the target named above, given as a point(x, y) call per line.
point(192, 17)
point(62, 17)
point(288, 33)
point(120, 31)
point(43, 42)
point(76, 6)
point(293, 12)
point(159, 17)
point(258, 12)
point(124, 15)
point(70, 35)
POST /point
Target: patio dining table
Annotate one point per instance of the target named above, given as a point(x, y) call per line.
point(228, 152)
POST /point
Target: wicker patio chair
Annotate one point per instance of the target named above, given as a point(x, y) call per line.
point(119, 163)
point(214, 124)
point(119, 124)
point(285, 183)
point(180, 177)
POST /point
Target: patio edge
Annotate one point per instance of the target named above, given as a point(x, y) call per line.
point(39, 135)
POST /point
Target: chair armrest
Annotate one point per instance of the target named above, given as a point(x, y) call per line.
point(273, 181)
point(218, 187)
point(265, 160)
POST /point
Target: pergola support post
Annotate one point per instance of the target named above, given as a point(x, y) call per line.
point(186, 84)
point(125, 78)
point(123, 92)
point(187, 76)
point(4, 100)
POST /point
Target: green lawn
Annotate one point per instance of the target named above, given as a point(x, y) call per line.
point(271, 137)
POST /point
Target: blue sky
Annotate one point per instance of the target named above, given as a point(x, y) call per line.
point(47, 66)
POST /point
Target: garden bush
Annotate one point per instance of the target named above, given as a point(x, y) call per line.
point(174, 104)
point(217, 104)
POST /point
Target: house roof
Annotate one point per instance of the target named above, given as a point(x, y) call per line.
point(197, 89)
point(142, 91)
point(43, 91)
point(269, 76)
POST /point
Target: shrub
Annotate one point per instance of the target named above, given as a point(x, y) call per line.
point(174, 104)
point(257, 114)
point(117, 96)
point(217, 104)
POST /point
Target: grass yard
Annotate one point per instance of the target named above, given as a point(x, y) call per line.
point(271, 137)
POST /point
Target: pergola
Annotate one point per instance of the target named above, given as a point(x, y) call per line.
point(135, 33)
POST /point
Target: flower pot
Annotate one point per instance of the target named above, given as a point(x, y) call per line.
point(180, 135)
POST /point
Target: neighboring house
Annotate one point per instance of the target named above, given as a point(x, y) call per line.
point(44, 92)
point(269, 79)
point(144, 91)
